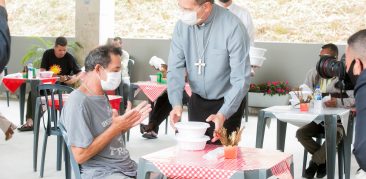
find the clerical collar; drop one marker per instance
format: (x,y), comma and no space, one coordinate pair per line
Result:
(230,6)
(210,18)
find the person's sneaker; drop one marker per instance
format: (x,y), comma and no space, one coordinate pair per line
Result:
(360,174)
(311,170)
(150,135)
(322,171)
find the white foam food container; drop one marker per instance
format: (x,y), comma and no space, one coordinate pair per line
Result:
(198,143)
(192,129)
(257,61)
(257,52)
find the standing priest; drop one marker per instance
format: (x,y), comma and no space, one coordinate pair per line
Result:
(212,45)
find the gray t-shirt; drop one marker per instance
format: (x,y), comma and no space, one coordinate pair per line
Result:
(85,118)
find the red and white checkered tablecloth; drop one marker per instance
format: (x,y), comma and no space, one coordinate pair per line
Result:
(13,83)
(175,163)
(153,90)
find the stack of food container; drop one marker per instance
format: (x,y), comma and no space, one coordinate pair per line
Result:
(191,135)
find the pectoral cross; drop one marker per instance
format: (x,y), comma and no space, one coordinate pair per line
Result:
(200,64)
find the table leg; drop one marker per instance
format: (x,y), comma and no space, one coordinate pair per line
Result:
(145,168)
(21,102)
(261,124)
(330,125)
(281,135)
(347,147)
(256,174)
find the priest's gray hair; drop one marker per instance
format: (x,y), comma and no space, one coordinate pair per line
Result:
(102,56)
(357,42)
(203,1)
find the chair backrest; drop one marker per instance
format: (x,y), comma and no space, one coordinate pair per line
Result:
(74,164)
(52,92)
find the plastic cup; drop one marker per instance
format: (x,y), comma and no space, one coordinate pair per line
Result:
(230,152)
(153,78)
(304,107)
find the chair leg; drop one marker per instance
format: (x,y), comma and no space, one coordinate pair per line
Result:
(7,97)
(128,135)
(340,160)
(59,153)
(43,154)
(304,162)
(166,126)
(36,124)
(67,162)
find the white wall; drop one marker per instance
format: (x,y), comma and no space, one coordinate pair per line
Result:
(285,61)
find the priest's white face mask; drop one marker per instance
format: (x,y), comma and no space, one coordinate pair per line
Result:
(190,17)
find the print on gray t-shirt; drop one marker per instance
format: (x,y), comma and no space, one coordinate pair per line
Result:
(85,118)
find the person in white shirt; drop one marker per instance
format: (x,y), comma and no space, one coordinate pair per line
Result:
(245,18)
(126,73)
(243,15)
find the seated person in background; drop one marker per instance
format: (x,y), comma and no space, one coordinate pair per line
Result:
(63,64)
(126,73)
(162,106)
(306,133)
(94,129)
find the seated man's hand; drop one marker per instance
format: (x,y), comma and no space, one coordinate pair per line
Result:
(331,103)
(71,79)
(64,78)
(143,108)
(132,117)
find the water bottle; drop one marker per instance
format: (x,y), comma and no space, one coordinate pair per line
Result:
(318,104)
(30,70)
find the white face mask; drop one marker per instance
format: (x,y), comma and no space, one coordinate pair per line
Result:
(112,82)
(189,17)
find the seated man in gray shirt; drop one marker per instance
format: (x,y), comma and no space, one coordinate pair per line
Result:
(94,129)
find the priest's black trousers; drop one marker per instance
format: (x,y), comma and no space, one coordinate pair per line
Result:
(199,109)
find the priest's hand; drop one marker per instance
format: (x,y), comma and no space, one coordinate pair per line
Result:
(175,115)
(332,103)
(219,120)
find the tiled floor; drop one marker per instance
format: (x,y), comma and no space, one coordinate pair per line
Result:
(16,154)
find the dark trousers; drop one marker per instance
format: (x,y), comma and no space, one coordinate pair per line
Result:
(305,136)
(199,109)
(161,111)
(29,113)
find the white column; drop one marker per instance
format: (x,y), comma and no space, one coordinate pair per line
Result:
(94,23)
